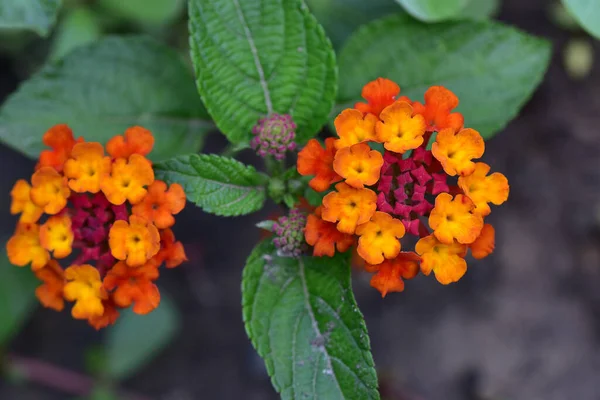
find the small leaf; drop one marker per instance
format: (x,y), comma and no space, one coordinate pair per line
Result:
(17,297)
(34,15)
(303,320)
(79,27)
(266,225)
(219,185)
(144,11)
(587,12)
(492,68)
(135,339)
(433,10)
(256,57)
(102,89)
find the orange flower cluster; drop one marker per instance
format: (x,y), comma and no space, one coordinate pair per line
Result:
(441,196)
(104,214)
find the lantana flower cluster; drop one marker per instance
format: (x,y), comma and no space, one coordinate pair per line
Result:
(104,217)
(436,192)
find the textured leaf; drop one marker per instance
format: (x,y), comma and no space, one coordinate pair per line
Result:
(255,57)
(17,297)
(303,320)
(433,10)
(135,339)
(587,12)
(34,15)
(144,11)
(219,185)
(79,27)
(493,69)
(103,88)
(341,18)
(481,9)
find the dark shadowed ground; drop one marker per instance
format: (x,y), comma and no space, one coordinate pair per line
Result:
(523,324)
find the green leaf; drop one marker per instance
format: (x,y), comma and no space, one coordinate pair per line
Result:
(303,320)
(104,88)
(135,339)
(256,57)
(587,12)
(492,68)
(144,11)
(34,15)
(79,27)
(481,9)
(433,10)
(219,185)
(342,17)
(17,297)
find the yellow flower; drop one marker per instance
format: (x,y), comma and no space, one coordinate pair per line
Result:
(24,247)
(56,235)
(445,260)
(483,189)
(21,203)
(134,242)
(84,287)
(398,129)
(454,219)
(352,127)
(379,238)
(455,151)
(87,167)
(349,206)
(128,180)
(50,190)
(358,164)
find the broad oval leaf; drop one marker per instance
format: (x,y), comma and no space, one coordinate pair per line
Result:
(102,89)
(303,320)
(492,68)
(256,57)
(433,10)
(136,339)
(587,13)
(219,185)
(144,11)
(34,15)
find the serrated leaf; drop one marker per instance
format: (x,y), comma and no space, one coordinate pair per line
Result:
(433,10)
(144,11)
(219,185)
(587,13)
(256,57)
(102,89)
(17,297)
(492,68)
(135,339)
(303,320)
(34,15)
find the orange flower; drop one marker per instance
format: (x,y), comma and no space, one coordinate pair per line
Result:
(128,179)
(324,236)
(439,101)
(56,235)
(390,273)
(24,247)
(379,94)
(445,260)
(87,167)
(160,204)
(379,238)
(455,151)
(398,129)
(84,287)
(358,164)
(50,293)
(483,246)
(350,206)
(108,317)
(454,219)
(484,189)
(60,139)
(314,160)
(134,242)
(136,140)
(353,127)
(171,252)
(134,286)
(50,190)
(21,203)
